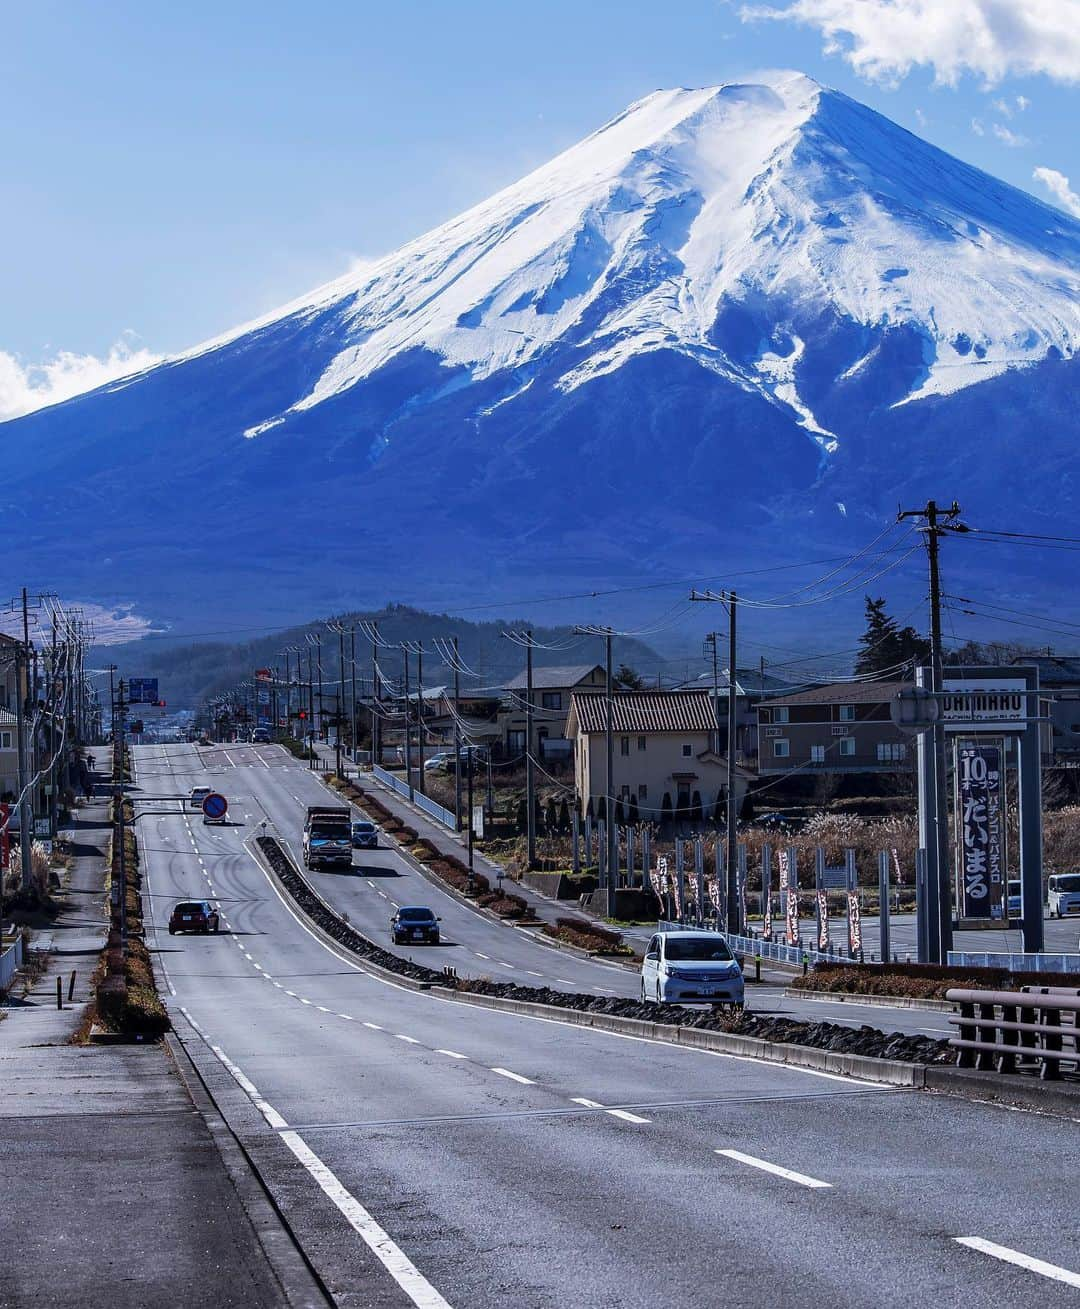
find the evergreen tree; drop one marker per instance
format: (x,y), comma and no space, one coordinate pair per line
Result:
(627,679)
(564,816)
(551,817)
(885,644)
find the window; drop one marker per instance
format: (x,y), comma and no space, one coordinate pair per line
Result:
(890,753)
(624,793)
(624,745)
(847,746)
(551,699)
(780,714)
(5,740)
(515,741)
(641,743)
(642,792)
(817,754)
(781,748)
(847,713)
(687,750)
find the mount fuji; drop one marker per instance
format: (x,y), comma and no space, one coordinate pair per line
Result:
(728,330)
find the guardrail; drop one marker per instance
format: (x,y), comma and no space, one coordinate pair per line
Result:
(778,951)
(1039,1026)
(11,962)
(1015,963)
(429,807)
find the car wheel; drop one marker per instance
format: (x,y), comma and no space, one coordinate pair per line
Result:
(172,931)
(216,925)
(659,996)
(644,996)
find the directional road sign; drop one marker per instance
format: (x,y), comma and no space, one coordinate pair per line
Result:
(142,690)
(215,806)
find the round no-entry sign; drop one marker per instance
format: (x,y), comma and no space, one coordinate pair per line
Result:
(215,806)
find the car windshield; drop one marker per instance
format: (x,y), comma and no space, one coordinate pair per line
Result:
(189,908)
(1069,882)
(701,948)
(415,915)
(363,827)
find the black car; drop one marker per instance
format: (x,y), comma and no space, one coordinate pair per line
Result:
(414,923)
(365,835)
(193,916)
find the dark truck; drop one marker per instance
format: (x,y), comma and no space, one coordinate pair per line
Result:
(327,836)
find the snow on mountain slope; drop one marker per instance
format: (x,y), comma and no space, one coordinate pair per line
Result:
(637,239)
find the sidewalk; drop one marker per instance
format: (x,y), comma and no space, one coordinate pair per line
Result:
(116,1191)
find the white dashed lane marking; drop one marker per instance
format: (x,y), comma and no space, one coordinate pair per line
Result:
(1019,1259)
(786,1173)
(514,1077)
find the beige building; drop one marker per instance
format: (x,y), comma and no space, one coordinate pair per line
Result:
(664,764)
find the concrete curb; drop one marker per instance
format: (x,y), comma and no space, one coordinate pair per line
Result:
(887,1072)
(886,1001)
(1009,1090)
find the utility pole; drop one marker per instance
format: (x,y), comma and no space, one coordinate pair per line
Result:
(408,726)
(611,832)
(472,882)
(457,738)
(733,921)
(420,715)
(530,767)
(355,725)
(22,676)
(933,799)
(711,646)
(376,753)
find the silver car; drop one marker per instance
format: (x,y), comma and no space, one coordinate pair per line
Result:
(691,967)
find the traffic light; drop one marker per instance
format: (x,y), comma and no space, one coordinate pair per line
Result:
(160,704)
(303,713)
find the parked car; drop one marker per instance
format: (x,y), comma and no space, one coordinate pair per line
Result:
(193,916)
(439,763)
(365,835)
(691,967)
(415,923)
(197,796)
(1013,905)
(260,736)
(1063,894)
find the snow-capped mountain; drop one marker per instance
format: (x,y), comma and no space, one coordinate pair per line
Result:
(731,324)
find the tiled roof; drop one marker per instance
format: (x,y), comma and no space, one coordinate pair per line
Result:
(844,693)
(557,677)
(7,718)
(646,711)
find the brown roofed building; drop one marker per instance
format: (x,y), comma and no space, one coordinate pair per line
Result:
(662,749)
(845,727)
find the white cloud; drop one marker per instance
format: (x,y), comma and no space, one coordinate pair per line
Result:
(1014,140)
(1058,186)
(26,387)
(921,118)
(977,127)
(1004,108)
(1022,103)
(884,39)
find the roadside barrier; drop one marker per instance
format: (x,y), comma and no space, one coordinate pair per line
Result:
(403,789)
(10,962)
(1012,1031)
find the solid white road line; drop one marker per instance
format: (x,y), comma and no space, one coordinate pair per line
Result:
(390,1255)
(514,1077)
(1027,1261)
(267,1110)
(775,1169)
(453,1054)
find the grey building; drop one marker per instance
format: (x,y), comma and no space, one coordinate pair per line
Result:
(844,727)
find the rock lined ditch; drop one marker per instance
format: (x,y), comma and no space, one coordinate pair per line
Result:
(868,1041)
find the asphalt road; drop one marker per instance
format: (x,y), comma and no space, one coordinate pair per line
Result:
(265,783)
(429,1153)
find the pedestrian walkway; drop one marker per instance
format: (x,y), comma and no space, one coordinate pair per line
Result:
(118,1192)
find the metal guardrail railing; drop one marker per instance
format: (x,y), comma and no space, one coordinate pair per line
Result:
(10,962)
(1015,963)
(433,810)
(1007,1031)
(778,951)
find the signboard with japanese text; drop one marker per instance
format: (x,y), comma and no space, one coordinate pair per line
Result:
(980,828)
(142,690)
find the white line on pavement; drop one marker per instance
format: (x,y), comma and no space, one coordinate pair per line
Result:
(481,956)
(375,1027)
(566,981)
(453,1054)
(767,1167)
(402,1037)
(514,1077)
(391,1256)
(1027,1261)
(627,1116)
(532,974)
(347,1017)
(267,1110)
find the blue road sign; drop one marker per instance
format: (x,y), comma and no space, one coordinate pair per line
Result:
(143,690)
(215,806)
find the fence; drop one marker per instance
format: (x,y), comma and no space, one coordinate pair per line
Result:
(777,951)
(1032,1028)
(10,962)
(429,807)
(1015,963)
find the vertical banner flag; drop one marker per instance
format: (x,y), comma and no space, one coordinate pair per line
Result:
(714,896)
(789,895)
(823,919)
(766,891)
(854,924)
(658,876)
(980,831)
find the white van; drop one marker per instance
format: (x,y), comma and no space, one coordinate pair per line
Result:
(690,967)
(1063,894)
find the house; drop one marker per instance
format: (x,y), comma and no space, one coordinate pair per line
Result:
(752,686)
(477,716)
(664,761)
(9,743)
(1059,688)
(553,688)
(844,727)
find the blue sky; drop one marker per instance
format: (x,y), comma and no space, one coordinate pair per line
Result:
(170,171)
